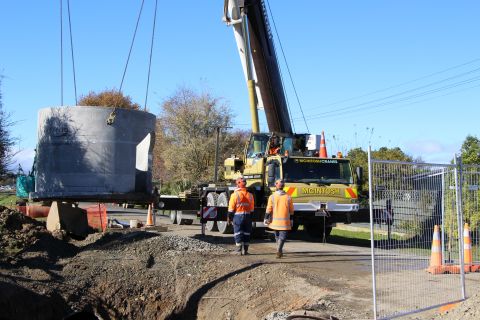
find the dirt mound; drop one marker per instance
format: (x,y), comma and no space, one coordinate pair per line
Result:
(18,231)
(137,274)
(467,310)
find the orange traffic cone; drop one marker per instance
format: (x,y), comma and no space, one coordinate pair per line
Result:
(323,147)
(149,222)
(436,256)
(467,247)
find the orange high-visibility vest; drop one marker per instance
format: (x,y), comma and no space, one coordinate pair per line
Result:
(280,205)
(241,202)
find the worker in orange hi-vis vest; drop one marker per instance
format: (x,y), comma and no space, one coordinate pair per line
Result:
(279,214)
(240,206)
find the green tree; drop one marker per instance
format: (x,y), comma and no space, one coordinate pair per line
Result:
(470,150)
(359,158)
(108,98)
(385,153)
(186,138)
(470,153)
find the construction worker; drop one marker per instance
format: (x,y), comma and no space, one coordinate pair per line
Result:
(240,207)
(274,146)
(279,214)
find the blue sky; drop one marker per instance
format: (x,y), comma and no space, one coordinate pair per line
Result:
(385,73)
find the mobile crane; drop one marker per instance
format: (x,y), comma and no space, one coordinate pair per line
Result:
(324,190)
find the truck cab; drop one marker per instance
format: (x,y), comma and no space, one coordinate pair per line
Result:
(322,189)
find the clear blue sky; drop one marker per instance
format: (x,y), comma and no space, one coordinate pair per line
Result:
(353,63)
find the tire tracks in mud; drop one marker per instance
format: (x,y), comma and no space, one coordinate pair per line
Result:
(190,310)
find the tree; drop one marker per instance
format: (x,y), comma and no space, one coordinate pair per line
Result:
(6,140)
(470,150)
(186,137)
(470,153)
(359,158)
(108,98)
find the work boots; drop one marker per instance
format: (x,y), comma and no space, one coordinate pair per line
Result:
(245,250)
(238,250)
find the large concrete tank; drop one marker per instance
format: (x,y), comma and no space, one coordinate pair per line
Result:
(94,153)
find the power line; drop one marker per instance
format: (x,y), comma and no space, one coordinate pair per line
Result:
(400,84)
(369,112)
(358,107)
(421,94)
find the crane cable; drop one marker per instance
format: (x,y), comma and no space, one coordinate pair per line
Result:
(151,54)
(61,52)
(288,68)
(71,51)
(131,46)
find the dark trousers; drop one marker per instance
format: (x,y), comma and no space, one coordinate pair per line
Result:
(242,227)
(281,235)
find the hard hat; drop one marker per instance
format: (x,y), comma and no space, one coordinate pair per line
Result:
(241,182)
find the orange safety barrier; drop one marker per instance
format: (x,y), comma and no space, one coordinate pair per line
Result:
(97,216)
(475,268)
(451,269)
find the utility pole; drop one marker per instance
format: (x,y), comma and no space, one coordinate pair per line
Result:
(217,150)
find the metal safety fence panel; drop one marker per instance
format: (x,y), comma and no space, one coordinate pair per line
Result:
(415,227)
(470,179)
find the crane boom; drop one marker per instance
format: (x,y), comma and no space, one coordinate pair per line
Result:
(257,53)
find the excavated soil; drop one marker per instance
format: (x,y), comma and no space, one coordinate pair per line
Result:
(468,309)
(135,274)
(141,275)
(17,232)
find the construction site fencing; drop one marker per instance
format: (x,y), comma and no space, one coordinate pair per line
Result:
(418,215)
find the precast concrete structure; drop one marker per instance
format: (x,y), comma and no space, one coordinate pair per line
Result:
(94,153)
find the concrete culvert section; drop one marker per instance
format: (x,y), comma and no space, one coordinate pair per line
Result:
(93,153)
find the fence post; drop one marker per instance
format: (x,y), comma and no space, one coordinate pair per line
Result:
(372,239)
(458,193)
(442,223)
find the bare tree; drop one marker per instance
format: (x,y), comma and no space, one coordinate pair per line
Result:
(185,150)
(6,140)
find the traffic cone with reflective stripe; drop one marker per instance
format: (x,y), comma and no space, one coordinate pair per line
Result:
(323,147)
(436,256)
(467,247)
(149,222)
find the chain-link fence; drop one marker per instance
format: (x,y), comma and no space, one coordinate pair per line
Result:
(417,263)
